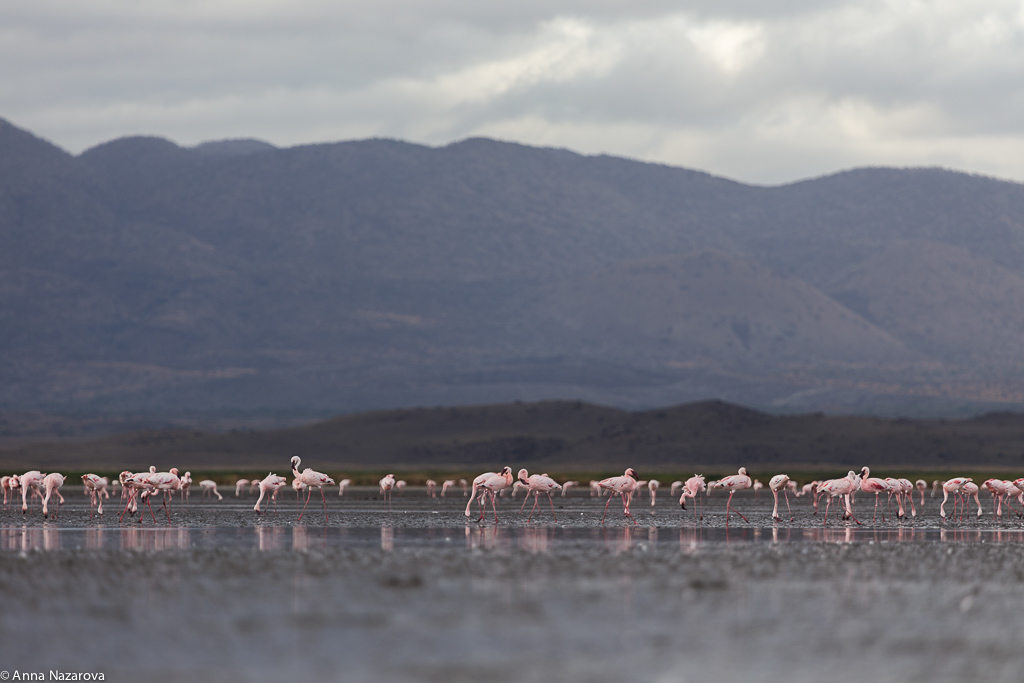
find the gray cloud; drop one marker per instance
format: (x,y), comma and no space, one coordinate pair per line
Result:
(763,92)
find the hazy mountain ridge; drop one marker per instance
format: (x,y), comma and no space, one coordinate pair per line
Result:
(145,276)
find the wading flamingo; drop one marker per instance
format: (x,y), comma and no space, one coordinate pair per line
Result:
(693,486)
(490,484)
(312,479)
(538,484)
(624,487)
(51,483)
(951,486)
(271,483)
(734,483)
(386,484)
(780,482)
(869,484)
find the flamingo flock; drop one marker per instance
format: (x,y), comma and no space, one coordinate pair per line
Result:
(139,488)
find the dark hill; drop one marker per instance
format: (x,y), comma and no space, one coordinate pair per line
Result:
(561,436)
(239,279)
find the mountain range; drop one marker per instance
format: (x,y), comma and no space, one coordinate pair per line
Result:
(240,279)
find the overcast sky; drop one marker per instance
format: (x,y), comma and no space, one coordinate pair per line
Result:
(762,91)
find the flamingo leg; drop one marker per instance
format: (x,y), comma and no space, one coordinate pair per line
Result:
(786,494)
(309,492)
(827,504)
(536,495)
(494,505)
(552,507)
(627,498)
(525,501)
(728,507)
(325,504)
(606,509)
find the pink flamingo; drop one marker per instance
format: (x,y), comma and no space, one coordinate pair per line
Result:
(312,479)
(386,484)
(432,488)
(209,488)
(624,487)
(693,486)
(969,490)
(343,486)
(298,487)
(869,484)
(921,486)
(166,483)
(29,483)
(652,488)
(447,486)
(51,484)
(136,484)
(907,489)
(835,488)
(400,486)
(951,486)
(5,484)
(95,486)
(566,485)
(185,488)
(272,483)
(677,486)
(734,483)
(538,484)
(239,485)
(780,482)
(998,488)
(490,484)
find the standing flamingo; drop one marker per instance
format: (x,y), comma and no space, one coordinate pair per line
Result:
(272,483)
(51,484)
(95,486)
(652,488)
(167,483)
(386,484)
(970,490)
(239,485)
(209,488)
(29,483)
(693,486)
(999,489)
(343,486)
(869,484)
(839,488)
(922,486)
(780,482)
(491,485)
(624,487)
(951,486)
(432,488)
(447,485)
(538,484)
(186,487)
(312,479)
(734,483)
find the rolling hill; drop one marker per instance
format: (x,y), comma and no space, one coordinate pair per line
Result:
(239,280)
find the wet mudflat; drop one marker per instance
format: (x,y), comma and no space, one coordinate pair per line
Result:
(420,595)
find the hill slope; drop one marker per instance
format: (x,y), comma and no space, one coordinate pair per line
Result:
(237,278)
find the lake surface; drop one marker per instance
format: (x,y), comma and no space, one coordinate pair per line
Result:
(419,594)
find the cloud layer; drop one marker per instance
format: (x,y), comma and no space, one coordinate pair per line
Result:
(761,94)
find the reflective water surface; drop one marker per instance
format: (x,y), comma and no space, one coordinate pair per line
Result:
(532,539)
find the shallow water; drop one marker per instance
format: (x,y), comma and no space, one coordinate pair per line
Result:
(419,594)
